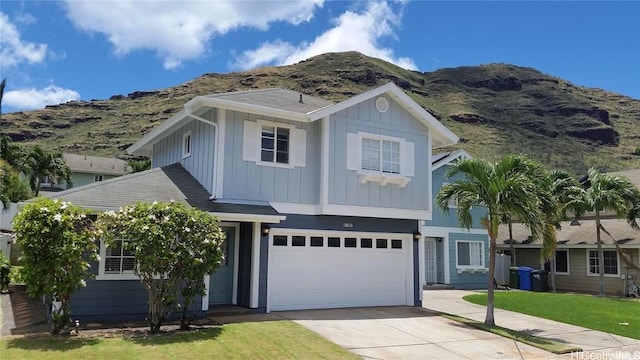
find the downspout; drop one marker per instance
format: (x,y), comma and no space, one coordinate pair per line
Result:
(215,150)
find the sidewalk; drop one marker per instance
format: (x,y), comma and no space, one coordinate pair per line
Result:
(596,344)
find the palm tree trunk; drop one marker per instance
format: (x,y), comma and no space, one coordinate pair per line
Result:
(512,249)
(552,267)
(489,319)
(600,256)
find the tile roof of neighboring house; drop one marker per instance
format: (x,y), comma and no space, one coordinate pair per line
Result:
(276,98)
(577,235)
(95,164)
(163,184)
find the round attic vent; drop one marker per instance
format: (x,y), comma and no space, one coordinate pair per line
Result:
(382,104)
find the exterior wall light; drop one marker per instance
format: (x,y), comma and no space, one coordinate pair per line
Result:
(417,235)
(265,229)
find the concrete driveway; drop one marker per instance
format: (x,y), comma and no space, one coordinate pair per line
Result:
(409,333)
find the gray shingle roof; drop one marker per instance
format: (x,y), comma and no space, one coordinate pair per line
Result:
(583,234)
(95,164)
(163,184)
(276,98)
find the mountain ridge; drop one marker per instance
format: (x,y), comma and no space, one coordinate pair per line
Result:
(496,109)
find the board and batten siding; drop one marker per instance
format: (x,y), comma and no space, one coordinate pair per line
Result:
(199,164)
(439,218)
(466,279)
(246,180)
(344,185)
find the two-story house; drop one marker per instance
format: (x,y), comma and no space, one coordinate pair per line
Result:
(87,169)
(322,203)
(453,256)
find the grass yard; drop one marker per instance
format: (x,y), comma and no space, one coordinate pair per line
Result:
(613,315)
(251,340)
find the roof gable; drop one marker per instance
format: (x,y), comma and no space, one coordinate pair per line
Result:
(439,160)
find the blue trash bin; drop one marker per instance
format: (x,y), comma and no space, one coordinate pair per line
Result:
(524,273)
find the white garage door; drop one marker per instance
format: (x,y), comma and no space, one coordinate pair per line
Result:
(330,270)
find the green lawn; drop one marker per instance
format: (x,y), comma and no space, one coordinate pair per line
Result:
(613,315)
(251,340)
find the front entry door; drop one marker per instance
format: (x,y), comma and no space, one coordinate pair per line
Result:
(430,261)
(221,286)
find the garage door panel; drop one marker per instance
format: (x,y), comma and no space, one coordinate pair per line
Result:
(310,278)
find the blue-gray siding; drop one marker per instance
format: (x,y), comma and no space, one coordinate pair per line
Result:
(450,219)
(245,180)
(344,185)
(467,280)
(200,164)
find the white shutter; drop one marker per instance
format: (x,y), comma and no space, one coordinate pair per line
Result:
(250,144)
(298,148)
(354,152)
(408,159)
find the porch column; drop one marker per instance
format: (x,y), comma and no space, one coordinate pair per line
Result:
(255,266)
(205,298)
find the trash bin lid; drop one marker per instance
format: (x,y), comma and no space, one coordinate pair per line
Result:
(525,268)
(539,271)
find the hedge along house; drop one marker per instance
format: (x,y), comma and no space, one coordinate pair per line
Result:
(576,259)
(453,256)
(321,202)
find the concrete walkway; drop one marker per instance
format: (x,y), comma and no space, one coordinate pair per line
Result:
(596,344)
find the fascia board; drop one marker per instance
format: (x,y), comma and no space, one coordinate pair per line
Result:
(454,155)
(200,101)
(143,146)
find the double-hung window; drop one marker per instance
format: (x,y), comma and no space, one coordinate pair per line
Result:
(380,158)
(610,259)
(186,144)
(470,255)
(381,155)
(98,178)
(275,145)
(117,259)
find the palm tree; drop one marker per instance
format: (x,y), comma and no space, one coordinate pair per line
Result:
(562,187)
(41,163)
(607,192)
(508,186)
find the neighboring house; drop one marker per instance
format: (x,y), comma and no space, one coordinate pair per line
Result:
(86,169)
(321,202)
(453,255)
(576,259)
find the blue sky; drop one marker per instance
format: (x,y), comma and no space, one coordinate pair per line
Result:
(56,51)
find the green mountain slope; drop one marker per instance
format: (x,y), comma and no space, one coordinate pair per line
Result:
(496,109)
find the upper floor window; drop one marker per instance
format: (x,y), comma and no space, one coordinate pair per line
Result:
(274,144)
(610,258)
(453,201)
(97,178)
(380,158)
(186,144)
(269,143)
(381,155)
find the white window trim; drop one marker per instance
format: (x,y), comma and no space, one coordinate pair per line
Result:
(101,274)
(453,201)
(263,123)
(589,273)
(187,137)
(364,176)
(98,178)
(472,269)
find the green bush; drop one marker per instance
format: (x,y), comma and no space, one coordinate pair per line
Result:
(5,270)
(636,151)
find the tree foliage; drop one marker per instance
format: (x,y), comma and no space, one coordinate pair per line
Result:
(57,244)
(174,247)
(607,192)
(508,187)
(40,163)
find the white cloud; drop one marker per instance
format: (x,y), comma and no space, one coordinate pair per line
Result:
(14,50)
(31,99)
(353,31)
(180,30)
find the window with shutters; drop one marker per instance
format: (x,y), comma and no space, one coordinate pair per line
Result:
(272,144)
(380,158)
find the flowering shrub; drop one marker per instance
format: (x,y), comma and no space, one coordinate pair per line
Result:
(174,248)
(56,242)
